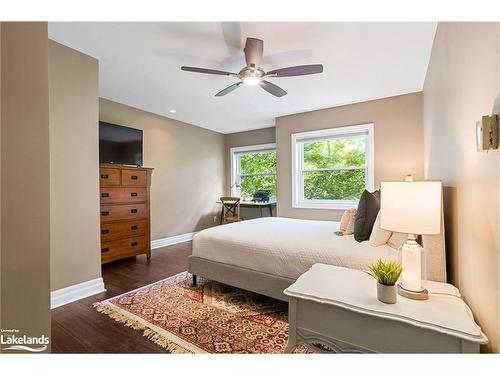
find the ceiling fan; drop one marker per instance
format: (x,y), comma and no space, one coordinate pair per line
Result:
(252,74)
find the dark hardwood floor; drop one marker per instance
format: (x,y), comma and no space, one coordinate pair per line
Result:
(78,328)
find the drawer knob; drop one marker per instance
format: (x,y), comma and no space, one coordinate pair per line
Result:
(133,227)
(104,231)
(104,249)
(104,176)
(134,177)
(133,210)
(104,195)
(105,213)
(133,194)
(133,243)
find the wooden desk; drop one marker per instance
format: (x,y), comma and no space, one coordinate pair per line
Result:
(249,204)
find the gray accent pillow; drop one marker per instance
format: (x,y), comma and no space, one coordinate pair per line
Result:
(368,208)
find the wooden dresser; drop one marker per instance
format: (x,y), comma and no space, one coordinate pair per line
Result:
(125,220)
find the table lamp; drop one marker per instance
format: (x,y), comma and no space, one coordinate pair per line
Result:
(412,207)
(235,189)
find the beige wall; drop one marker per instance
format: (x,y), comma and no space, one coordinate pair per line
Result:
(74,167)
(398,147)
(189,169)
(248,138)
(463,84)
(25,199)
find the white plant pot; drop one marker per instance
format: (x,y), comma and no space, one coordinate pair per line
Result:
(387,293)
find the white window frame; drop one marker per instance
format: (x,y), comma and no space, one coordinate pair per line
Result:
(298,140)
(235,152)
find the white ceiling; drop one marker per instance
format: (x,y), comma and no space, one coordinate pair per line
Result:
(140,65)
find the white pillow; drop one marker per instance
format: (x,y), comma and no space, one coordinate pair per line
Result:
(347,221)
(397,240)
(379,236)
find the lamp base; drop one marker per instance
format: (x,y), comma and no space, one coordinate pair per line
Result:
(421,296)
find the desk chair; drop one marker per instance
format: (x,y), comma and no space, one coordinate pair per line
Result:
(230,209)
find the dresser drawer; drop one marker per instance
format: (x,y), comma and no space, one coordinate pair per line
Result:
(123,195)
(123,212)
(122,248)
(119,230)
(109,177)
(134,178)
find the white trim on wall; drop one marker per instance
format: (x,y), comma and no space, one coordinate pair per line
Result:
(75,292)
(298,139)
(89,288)
(167,241)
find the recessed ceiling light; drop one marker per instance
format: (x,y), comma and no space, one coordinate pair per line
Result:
(172,111)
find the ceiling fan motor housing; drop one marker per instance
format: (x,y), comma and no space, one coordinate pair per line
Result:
(251,76)
(251,72)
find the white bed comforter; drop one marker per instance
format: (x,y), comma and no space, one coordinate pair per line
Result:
(285,247)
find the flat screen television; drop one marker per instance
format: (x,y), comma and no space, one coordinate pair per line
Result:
(119,144)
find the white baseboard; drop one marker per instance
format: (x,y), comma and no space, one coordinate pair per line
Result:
(167,241)
(88,288)
(75,292)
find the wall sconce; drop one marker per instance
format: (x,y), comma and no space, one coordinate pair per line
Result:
(487,133)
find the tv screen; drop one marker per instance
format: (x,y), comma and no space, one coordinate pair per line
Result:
(119,144)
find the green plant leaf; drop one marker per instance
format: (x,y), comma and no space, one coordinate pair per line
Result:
(386,273)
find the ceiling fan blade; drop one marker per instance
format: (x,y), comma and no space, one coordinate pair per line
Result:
(253,52)
(299,70)
(272,88)
(231,31)
(207,71)
(228,89)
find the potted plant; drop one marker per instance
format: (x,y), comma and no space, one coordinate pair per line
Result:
(386,274)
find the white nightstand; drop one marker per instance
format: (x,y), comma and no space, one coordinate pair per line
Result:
(338,308)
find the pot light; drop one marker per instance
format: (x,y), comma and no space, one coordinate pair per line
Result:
(172,111)
(251,81)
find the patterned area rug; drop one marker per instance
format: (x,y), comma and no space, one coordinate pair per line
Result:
(209,318)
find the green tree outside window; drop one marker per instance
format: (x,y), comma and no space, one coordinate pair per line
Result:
(334,169)
(258,172)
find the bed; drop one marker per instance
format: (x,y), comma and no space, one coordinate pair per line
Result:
(268,254)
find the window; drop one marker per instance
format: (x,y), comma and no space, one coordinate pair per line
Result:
(253,168)
(331,168)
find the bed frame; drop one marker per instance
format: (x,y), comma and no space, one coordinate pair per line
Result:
(243,278)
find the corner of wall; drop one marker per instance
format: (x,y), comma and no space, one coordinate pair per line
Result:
(74,167)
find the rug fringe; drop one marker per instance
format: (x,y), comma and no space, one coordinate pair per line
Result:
(151,334)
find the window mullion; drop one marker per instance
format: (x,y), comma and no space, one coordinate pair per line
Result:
(257,174)
(334,169)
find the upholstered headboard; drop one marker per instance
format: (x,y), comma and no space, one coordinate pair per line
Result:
(435,253)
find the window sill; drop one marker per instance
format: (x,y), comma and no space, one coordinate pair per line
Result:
(321,205)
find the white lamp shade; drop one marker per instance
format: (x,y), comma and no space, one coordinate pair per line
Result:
(411,207)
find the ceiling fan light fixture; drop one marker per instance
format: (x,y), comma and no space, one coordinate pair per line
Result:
(253,75)
(252,80)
